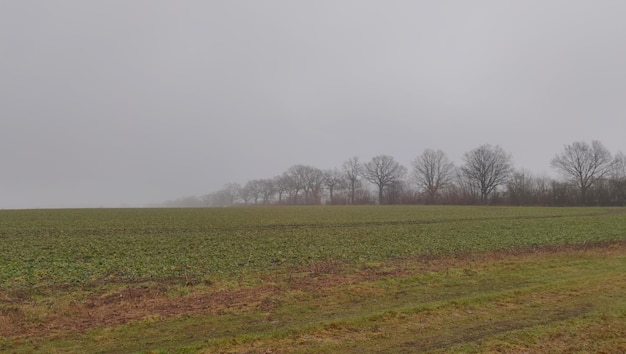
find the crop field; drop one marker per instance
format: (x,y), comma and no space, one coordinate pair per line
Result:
(379,279)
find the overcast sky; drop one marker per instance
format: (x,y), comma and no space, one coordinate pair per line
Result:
(104,103)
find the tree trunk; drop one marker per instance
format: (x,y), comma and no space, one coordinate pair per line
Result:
(352,193)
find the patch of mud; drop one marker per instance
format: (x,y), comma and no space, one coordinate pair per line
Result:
(137,301)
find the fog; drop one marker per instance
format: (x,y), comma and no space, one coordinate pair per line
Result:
(113,103)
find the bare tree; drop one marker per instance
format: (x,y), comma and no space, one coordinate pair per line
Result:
(245,194)
(544,190)
(232,191)
(255,189)
(282,185)
(333,179)
(295,179)
(619,170)
(464,190)
(432,171)
(525,189)
(383,171)
(226,196)
(618,180)
(268,190)
(313,182)
(585,164)
(400,192)
(487,167)
(352,169)
(308,179)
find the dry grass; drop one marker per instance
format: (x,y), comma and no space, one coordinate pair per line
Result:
(423,303)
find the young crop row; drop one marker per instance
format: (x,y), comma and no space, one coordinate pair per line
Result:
(76,247)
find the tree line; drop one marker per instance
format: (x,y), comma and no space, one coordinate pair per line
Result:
(589,175)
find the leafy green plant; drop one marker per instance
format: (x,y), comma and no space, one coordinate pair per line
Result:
(74,247)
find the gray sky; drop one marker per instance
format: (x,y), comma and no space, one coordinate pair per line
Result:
(104,103)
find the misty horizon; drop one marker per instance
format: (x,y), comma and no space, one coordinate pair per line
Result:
(119,103)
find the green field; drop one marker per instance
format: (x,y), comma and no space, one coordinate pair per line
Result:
(313,279)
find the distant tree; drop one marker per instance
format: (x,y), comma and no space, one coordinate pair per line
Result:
(400,192)
(463,190)
(268,190)
(523,188)
(254,189)
(584,164)
(618,181)
(619,170)
(544,190)
(282,185)
(231,192)
(295,180)
(313,182)
(245,194)
(334,180)
(486,167)
(226,196)
(563,193)
(383,171)
(308,179)
(352,169)
(432,171)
